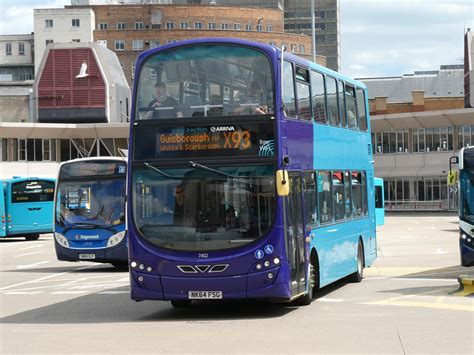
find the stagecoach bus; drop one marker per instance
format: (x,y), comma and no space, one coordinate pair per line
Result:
(251,175)
(89,213)
(26,207)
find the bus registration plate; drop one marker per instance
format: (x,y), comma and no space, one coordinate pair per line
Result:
(86,256)
(204,295)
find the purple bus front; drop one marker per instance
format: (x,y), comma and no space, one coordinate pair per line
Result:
(204,218)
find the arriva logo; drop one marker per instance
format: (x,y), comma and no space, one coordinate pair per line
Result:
(223,129)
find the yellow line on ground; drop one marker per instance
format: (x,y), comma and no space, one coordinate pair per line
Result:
(395,271)
(454,307)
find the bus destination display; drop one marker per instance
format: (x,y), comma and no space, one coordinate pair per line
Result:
(246,139)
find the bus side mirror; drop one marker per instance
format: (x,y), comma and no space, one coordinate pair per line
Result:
(282,183)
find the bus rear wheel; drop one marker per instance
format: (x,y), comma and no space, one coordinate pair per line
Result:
(32,237)
(180,303)
(359,274)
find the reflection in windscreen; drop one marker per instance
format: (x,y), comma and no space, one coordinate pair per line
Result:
(467,195)
(99,202)
(196,209)
(205,80)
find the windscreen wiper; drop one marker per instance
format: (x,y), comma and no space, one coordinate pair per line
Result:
(161,172)
(215,171)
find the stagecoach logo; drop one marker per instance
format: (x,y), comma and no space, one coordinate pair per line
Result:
(87,237)
(222,129)
(267,147)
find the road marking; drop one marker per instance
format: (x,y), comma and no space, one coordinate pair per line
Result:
(446,306)
(33,246)
(46,277)
(32,253)
(31,265)
(439,251)
(22,293)
(69,292)
(395,271)
(112,292)
(325,299)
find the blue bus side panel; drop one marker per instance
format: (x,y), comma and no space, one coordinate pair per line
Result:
(380,212)
(344,149)
(3,215)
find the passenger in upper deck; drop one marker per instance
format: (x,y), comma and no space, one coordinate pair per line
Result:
(163,106)
(254,103)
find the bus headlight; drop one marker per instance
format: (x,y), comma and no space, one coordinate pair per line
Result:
(61,240)
(115,239)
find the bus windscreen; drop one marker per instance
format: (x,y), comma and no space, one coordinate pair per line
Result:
(33,191)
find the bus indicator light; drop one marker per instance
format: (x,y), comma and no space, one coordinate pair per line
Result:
(258,266)
(133,264)
(266,263)
(276,261)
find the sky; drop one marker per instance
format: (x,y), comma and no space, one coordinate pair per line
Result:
(378,37)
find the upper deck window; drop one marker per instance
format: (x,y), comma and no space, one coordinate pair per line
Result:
(205,80)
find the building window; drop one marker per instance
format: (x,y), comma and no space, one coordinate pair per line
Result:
(119,45)
(48,23)
(224,26)
(3,149)
(137,44)
(171,41)
(183,25)
(433,139)
(139,25)
(154,43)
(272,44)
(21,48)
(237,26)
(269,28)
(390,142)
(293,48)
(8,49)
(466,136)
(133,69)
(302,48)
(198,25)
(76,22)
(49,41)
(248,27)
(259,28)
(121,26)
(211,25)
(103,26)
(169,25)
(76,40)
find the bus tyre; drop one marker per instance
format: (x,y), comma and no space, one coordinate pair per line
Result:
(180,303)
(32,237)
(306,299)
(359,274)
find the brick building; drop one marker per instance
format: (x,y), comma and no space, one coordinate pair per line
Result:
(127,29)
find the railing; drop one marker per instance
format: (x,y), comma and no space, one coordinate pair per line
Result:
(411,205)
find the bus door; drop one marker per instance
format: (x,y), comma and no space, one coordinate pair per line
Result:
(379,202)
(295,238)
(3,212)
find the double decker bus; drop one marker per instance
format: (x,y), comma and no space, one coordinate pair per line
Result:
(466,206)
(89,212)
(26,207)
(250,175)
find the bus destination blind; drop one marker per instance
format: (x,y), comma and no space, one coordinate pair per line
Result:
(244,139)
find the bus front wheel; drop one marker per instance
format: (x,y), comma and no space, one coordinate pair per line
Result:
(32,237)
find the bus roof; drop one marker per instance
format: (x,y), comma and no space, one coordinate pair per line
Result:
(262,46)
